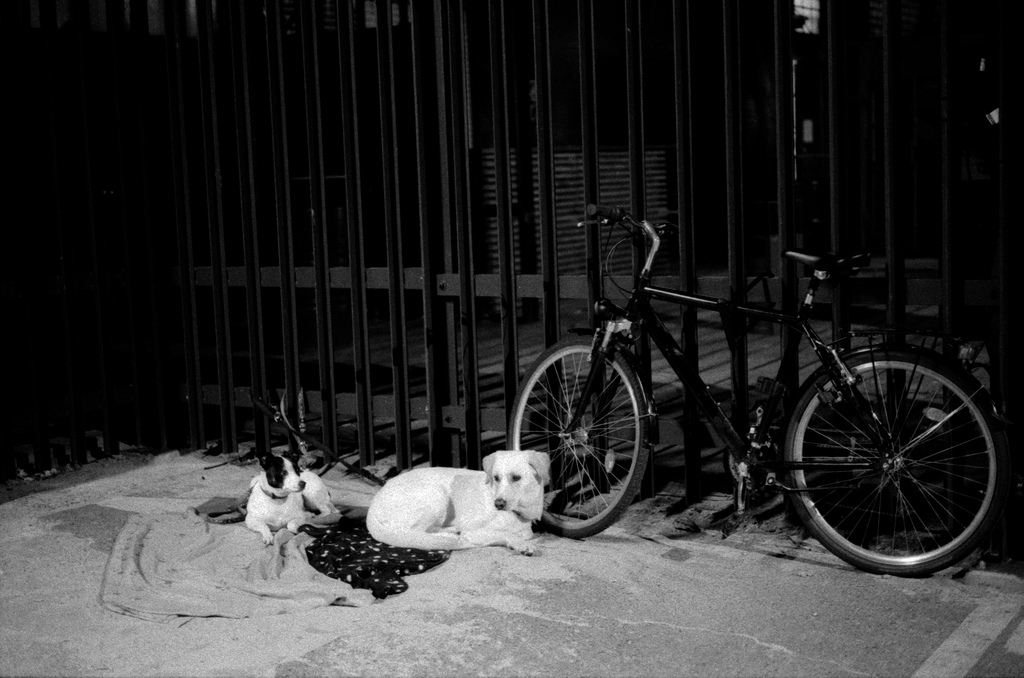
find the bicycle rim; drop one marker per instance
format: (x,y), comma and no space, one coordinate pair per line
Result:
(596,470)
(930,496)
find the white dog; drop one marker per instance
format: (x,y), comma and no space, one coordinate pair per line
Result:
(449,508)
(282,497)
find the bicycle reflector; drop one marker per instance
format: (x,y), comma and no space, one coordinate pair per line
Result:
(969,350)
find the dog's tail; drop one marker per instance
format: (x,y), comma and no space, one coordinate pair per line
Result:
(411,539)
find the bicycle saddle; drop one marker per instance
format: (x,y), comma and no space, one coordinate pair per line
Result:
(830,263)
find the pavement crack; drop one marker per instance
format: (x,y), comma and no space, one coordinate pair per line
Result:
(774,647)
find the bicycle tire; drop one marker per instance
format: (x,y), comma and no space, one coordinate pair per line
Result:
(944,483)
(596,471)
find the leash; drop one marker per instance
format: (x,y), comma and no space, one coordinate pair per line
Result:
(277,416)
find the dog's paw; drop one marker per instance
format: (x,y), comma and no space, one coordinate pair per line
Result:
(268,538)
(327,511)
(525,548)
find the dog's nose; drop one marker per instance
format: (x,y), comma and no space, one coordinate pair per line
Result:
(302,484)
(499,503)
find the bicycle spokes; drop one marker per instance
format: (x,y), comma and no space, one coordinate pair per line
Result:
(922,490)
(591,426)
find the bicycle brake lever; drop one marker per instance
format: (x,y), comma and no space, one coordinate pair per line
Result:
(588,222)
(666,229)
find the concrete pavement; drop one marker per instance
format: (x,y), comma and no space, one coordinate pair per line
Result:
(628,602)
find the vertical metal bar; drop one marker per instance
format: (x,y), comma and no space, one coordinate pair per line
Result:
(432,357)
(115,18)
(635,108)
(503,190)
(734,205)
(634,140)
(72,352)
(17,14)
(175,21)
(446,66)
(1009,370)
(393,232)
(588,134)
(31,296)
(215,217)
(946,178)
(115,34)
(637,173)
(23,284)
(635,136)
(156,335)
(98,274)
(891,19)
(519,87)
(354,212)
(784,176)
(682,40)
(8,460)
(836,180)
(283,204)
(138,10)
(248,216)
(26,294)
(318,221)
(550,310)
(27,264)
(464,233)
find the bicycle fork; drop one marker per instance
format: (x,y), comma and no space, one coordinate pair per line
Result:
(573,435)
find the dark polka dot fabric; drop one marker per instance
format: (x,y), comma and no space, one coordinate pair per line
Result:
(347,552)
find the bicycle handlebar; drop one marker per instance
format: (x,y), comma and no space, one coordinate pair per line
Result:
(609,212)
(612,214)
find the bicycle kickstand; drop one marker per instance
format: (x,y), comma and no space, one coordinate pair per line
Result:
(741,487)
(740,496)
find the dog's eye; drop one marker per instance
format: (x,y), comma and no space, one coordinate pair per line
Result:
(516,478)
(497,478)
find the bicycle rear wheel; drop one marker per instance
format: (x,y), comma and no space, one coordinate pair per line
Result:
(920,502)
(596,469)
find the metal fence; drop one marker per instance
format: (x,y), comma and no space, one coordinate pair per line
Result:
(367,208)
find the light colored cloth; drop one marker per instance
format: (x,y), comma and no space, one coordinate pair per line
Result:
(178,565)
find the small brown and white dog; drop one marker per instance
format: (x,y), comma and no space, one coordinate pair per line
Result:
(449,508)
(283,497)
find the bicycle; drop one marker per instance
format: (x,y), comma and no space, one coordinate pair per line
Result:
(893,456)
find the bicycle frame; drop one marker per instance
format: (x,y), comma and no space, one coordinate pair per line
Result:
(614,321)
(691,378)
(687,375)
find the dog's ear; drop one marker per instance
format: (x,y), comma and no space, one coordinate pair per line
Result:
(265,459)
(541,464)
(488,465)
(294,457)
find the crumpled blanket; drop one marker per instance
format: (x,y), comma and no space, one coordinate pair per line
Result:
(164,567)
(346,551)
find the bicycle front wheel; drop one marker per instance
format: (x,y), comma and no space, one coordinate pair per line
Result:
(926,472)
(596,469)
